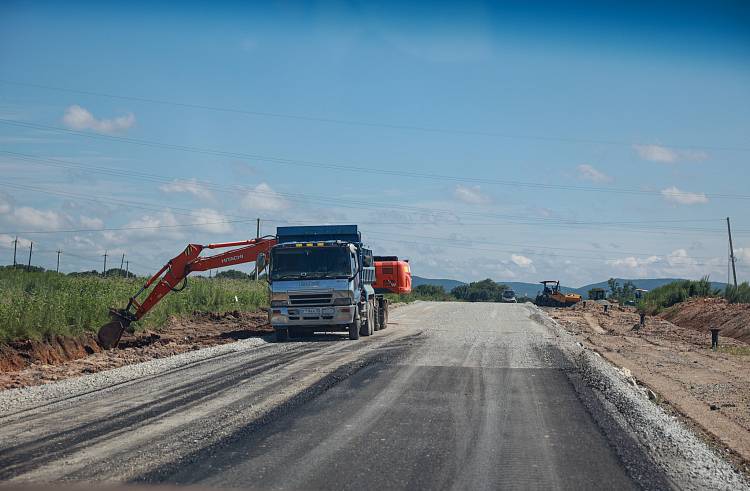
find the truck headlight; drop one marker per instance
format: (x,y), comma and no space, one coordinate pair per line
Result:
(279,299)
(342,301)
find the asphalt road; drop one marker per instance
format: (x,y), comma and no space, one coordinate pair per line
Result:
(451,395)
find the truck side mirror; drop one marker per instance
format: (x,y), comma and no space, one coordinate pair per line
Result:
(260,262)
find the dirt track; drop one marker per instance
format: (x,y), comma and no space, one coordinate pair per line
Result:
(710,388)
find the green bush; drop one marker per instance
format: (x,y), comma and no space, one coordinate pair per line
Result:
(422,292)
(673,293)
(480,291)
(37,305)
(738,294)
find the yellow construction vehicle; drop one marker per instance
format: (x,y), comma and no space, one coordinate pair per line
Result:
(551,296)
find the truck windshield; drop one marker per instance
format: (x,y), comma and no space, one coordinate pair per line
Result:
(311,262)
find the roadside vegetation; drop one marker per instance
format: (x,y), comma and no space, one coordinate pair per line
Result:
(673,293)
(41,304)
(479,291)
(738,294)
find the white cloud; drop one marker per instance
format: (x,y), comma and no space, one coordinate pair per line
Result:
(589,173)
(658,153)
(5,204)
(471,195)
(263,197)
(6,241)
(211,220)
(191,186)
(79,118)
(88,222)
(742,254)
(633,262)
(144,227)
(675,195)
(521,261)
(41,219)
(679,257)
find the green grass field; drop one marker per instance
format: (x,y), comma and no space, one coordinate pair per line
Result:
(36,305)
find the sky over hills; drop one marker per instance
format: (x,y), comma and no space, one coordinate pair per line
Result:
(478,140)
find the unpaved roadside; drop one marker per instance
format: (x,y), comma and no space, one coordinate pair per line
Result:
(711,389)
(27,363)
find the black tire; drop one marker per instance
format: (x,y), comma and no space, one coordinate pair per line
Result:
(282,335)
(371,318)
(354,329)
(384,316)
(364,328)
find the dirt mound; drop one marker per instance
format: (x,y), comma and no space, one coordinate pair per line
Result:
(17,355)
(702,314)
(36,362)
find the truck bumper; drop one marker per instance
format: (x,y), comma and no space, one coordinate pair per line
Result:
(328,316)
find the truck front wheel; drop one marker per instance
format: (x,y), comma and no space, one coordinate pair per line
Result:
(354,329)
(282,335)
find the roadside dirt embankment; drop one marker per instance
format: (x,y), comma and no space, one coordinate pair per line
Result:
(709,389)
(702,314)
(29,362)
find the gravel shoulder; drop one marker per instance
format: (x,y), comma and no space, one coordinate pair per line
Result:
(709,390)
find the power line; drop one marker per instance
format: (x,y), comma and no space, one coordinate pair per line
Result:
(303,197)
(115,229)
(393,126)
(511,219)
(350,168)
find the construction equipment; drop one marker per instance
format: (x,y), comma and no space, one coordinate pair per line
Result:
(391,275)
(320,278)
(597,294)
(175,272)
(323,278)
(551,296)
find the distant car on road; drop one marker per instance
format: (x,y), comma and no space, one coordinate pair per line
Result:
(509,296)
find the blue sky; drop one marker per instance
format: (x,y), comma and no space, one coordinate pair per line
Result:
(417,122)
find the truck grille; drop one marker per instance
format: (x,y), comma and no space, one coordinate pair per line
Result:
(310,298)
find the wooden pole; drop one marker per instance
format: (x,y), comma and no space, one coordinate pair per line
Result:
(28,266)
(731,253)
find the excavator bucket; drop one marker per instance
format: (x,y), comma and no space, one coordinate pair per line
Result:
(111,332)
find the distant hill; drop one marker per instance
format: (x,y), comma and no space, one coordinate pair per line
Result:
(531,289)
(521,288)
(447,285)
(645,283)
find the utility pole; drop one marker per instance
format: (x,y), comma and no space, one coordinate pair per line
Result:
(127,267)
(31,248)
(122,261)
(15,245)
(58,261)
(731,253)
(257,236)
(104,272)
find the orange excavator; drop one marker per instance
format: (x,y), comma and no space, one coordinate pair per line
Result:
(175,272)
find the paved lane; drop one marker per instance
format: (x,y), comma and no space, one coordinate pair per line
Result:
(479,400)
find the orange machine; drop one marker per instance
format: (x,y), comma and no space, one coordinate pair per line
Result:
(391,275)
(176,271)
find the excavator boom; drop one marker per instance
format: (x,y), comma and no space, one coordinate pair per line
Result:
(169,277)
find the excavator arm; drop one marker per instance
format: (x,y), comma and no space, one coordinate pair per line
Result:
(176,271)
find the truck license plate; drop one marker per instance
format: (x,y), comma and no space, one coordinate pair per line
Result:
(311,311)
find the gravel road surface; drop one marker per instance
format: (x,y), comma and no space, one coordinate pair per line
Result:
(451,395)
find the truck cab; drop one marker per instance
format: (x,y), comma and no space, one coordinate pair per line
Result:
(320,279)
